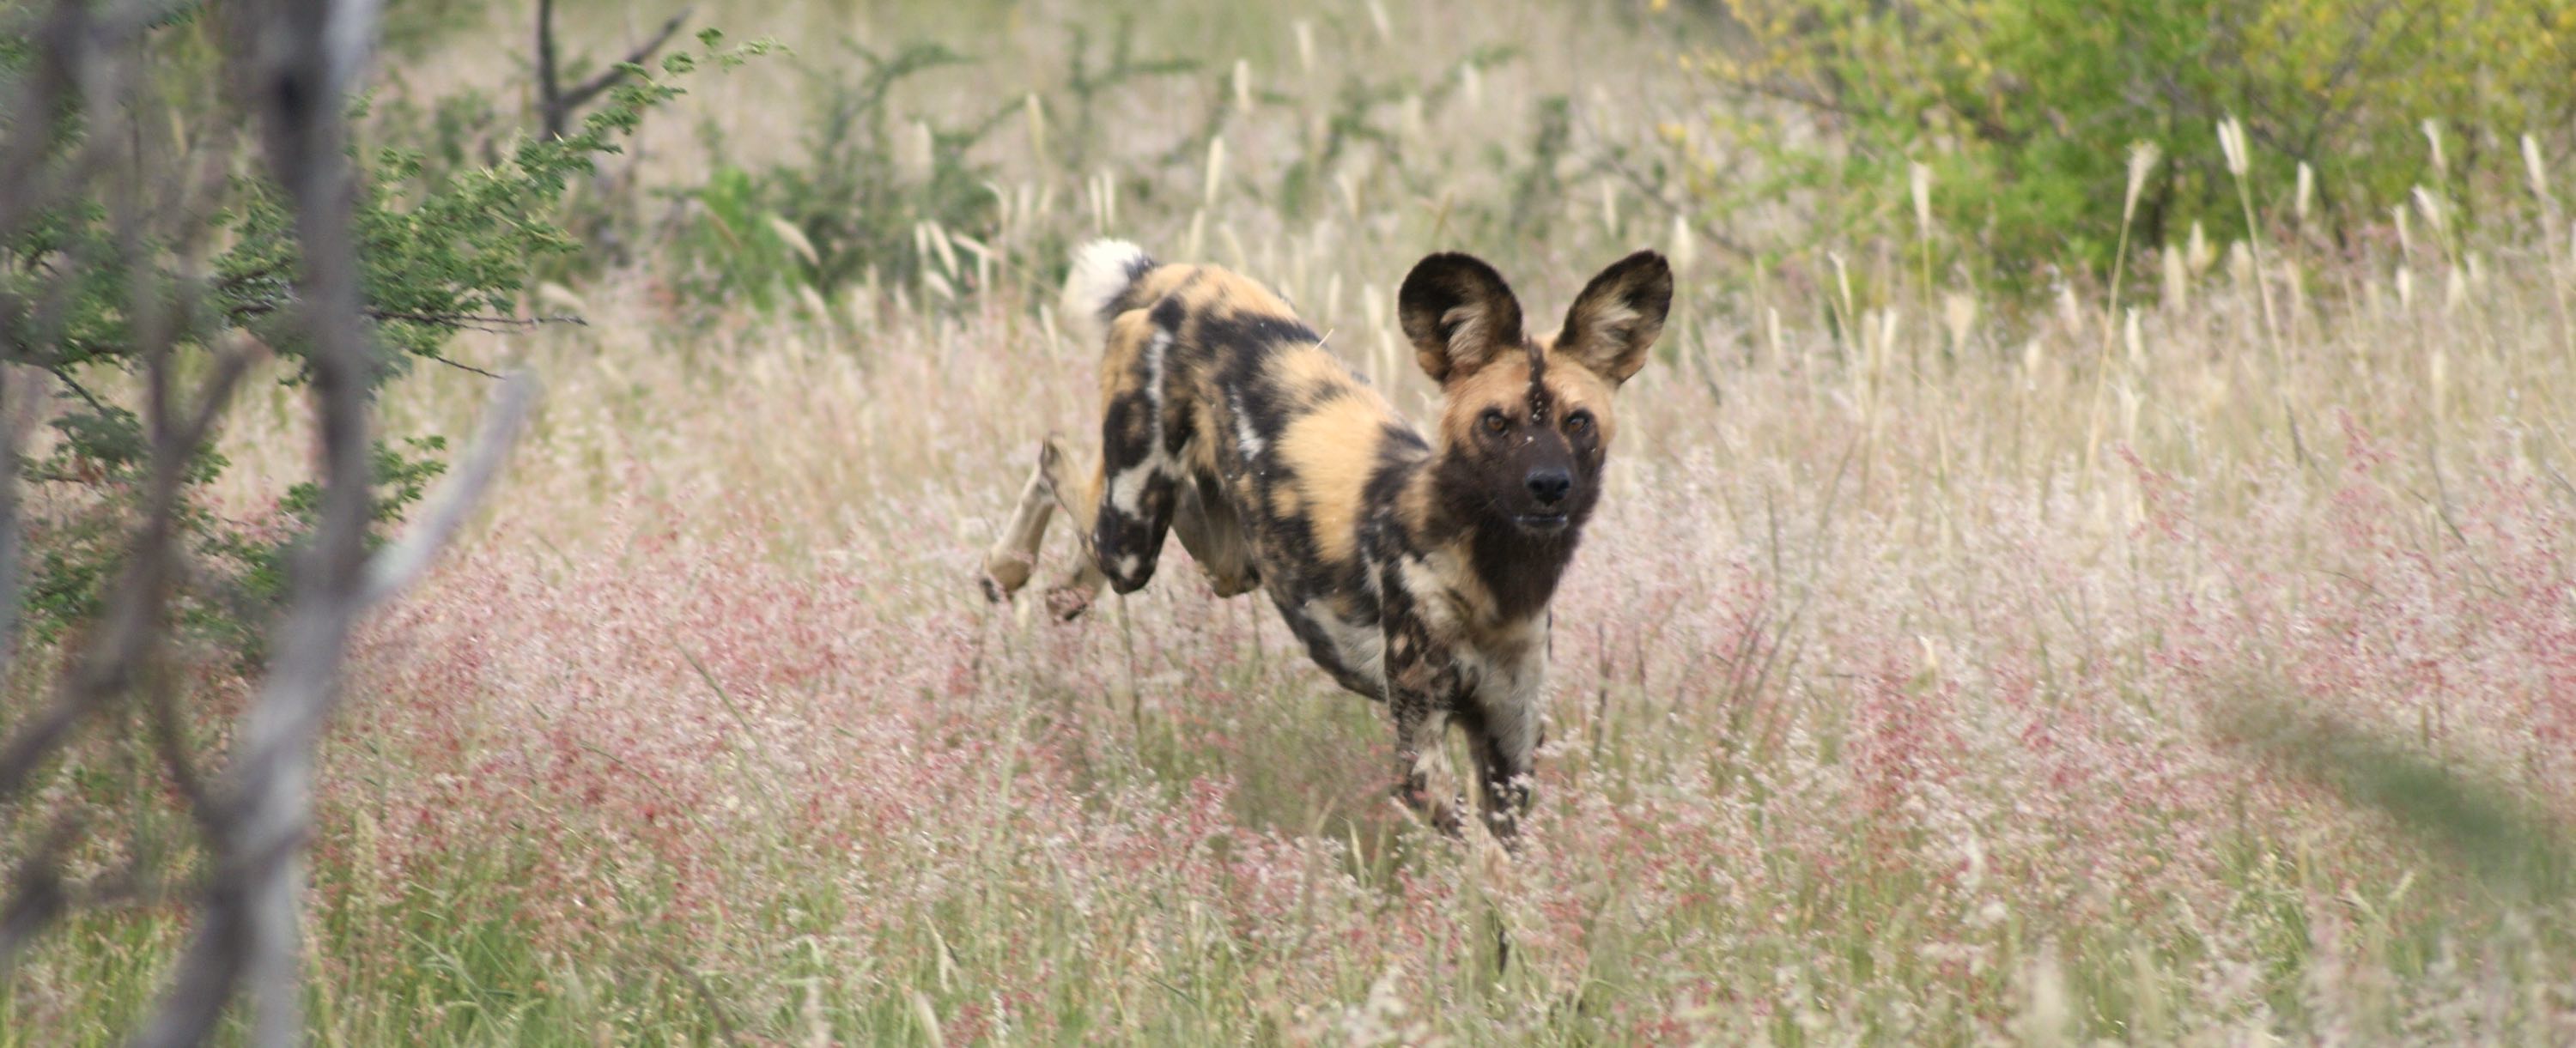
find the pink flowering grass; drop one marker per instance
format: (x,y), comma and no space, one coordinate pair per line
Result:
(722,743)
(705,759)
(1937,685)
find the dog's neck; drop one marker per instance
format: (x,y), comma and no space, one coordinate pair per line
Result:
(1519,570)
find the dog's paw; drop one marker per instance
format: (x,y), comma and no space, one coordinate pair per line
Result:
(1067,603)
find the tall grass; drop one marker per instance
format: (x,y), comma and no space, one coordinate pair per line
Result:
(1884,708)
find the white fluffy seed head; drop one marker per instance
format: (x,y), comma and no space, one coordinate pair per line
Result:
(2231,142)
(2532,166)
(1919,182)
(1215,170)
(1959,315)
(2142,161)
(2431,207)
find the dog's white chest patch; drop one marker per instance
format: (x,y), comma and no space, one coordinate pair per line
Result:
(1359,647)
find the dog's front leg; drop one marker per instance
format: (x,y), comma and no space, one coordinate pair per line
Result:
(1420,731)
(1421,684)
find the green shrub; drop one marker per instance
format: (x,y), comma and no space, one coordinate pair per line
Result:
(446,244)
(2025,111)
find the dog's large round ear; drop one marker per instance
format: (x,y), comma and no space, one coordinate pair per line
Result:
(1459,314)
(1616,318)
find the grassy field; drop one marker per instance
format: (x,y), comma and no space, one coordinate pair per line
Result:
(1941,668)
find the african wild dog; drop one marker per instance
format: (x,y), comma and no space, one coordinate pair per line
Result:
(1417,572)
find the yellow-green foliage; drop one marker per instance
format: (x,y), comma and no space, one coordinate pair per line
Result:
(2025,111)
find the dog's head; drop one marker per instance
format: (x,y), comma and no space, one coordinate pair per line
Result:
(1526,423)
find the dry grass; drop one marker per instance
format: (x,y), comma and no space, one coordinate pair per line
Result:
(2154,677)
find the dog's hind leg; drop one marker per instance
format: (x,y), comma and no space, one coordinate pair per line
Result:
(1129,504)
(1209,529)
(1077,493)
(1014,555)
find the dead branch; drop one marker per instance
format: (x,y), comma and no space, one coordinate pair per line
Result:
(37,893)
(246,935)
(13,430)
(397,565)
(303,54)
(298,59)
(132,620)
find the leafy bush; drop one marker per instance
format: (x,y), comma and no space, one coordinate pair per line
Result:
(2025,112)
(446,245)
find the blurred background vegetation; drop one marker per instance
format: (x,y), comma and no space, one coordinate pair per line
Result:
(2026,113)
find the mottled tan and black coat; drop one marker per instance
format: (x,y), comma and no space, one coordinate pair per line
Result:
(1416,571)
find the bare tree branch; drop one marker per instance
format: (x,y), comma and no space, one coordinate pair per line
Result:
(37,894)
(133,611)
(261,815)
(298,59)
(397,565)
(304,54)
(549,86)
(13,429)
(555,104)
(609,77)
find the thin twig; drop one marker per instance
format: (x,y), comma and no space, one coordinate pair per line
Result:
(474,321)
(451,321)
(462,366)
(65,375)
(609,77)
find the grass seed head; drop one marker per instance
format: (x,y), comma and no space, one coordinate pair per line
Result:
(1215,171)
(2534,168)
(2142,162)
(2231,143)
(1918,178)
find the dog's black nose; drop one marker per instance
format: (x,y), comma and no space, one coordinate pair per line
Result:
(1549,485)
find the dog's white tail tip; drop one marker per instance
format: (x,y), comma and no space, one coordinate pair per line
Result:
(1102,271)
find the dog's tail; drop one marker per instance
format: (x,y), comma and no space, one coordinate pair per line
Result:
(1096,290)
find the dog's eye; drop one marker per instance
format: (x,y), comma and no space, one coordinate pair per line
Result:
(1578,422)
(1495,423)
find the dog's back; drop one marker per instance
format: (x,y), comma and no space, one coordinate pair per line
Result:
(1225,416)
